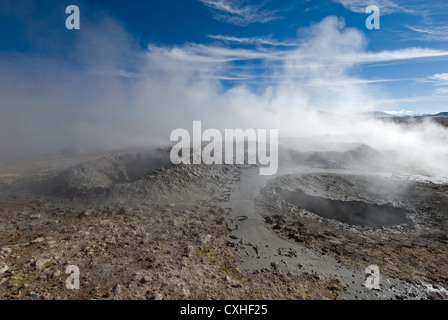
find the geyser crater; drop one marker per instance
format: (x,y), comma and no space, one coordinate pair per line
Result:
(356,213)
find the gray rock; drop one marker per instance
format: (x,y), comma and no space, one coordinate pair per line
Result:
(6,250)
(145,279)
(3,268)
(40,263)
(117,289)
(123,211)
(56,274)
(34,295)
(157,296)
(38,240)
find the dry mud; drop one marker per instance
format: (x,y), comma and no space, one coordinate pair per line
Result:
(140,228)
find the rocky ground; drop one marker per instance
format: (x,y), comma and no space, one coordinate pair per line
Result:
(415,252)
(160,236)
(138,227)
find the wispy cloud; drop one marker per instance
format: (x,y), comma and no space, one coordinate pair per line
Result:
(442,91)
(440,77)
(240,13)
(386,6)
(395,101)
(396,55)
(440,80)
(268,41)
(223,62)
(431,32)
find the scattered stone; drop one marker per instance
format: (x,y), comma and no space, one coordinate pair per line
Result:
(188,251)
(274,265)
(56,274)
(123,211)
(206,239)
(145,279)
(40,263)
(85,214)
(157,297)
(38,240)
(34,295)
(172,223)
(6,250)
(4,268)
(117,289)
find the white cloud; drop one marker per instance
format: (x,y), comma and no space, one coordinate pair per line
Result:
(254,41)
(218,61)
(396,55)
(440,77)
(431,32)
(239,13)
(441,81)
(401,112)
(311,52)
(395,101)
(442,91)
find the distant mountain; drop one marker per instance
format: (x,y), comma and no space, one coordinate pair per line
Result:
(441,118)
(441,114)
(376,114)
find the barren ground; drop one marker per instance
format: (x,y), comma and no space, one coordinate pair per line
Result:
(139,228)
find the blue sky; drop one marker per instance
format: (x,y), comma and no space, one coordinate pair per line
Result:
(409,82)
(403,66)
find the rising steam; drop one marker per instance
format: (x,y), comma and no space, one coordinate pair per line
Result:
(108,92)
